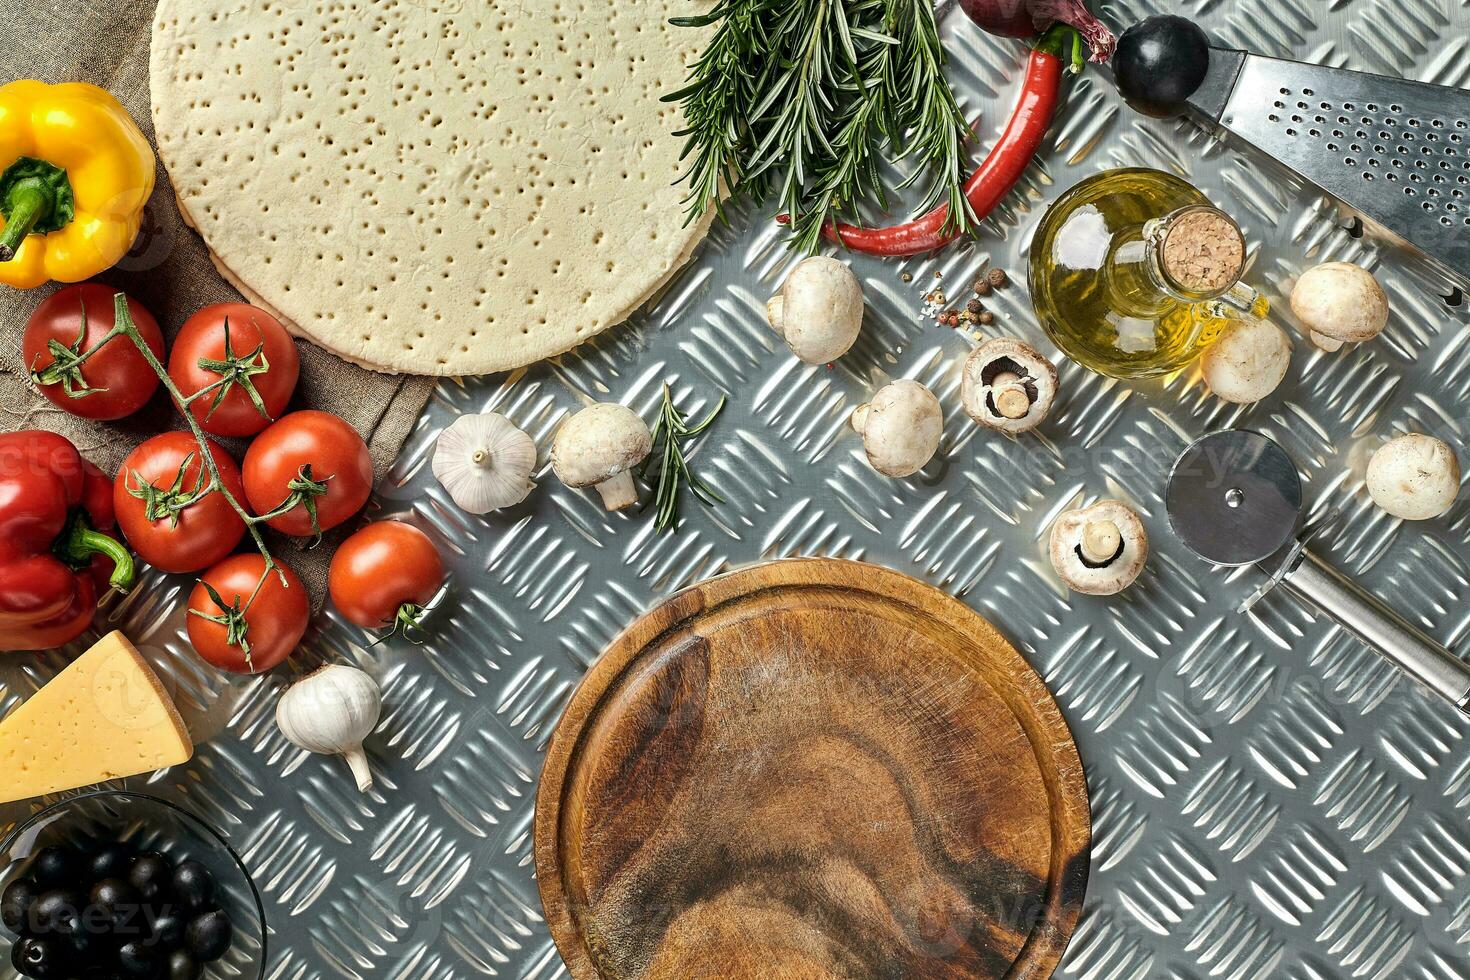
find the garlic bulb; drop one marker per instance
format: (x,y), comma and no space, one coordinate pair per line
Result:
(330,712)
(485,462)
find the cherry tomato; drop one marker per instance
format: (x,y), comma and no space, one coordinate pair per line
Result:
(265,633)
(184,532)
(258,358)
(315,459)
(384,574)
(112,383)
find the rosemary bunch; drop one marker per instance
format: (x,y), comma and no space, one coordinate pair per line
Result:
(802,99)
(669,434)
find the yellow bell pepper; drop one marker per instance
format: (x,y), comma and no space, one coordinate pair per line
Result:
(77,174)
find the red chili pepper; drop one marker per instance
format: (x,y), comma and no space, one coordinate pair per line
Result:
(994,178)
(53,557)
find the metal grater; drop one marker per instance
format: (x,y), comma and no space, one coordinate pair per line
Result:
(1396,152)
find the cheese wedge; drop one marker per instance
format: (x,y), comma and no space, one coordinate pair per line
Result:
(104,717)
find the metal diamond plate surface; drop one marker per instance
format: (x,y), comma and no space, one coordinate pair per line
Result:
(1270,799)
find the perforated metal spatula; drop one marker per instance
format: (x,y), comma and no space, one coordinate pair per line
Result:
(1234,498)
(1396,152)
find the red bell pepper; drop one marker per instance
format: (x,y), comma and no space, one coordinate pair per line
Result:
(54,558)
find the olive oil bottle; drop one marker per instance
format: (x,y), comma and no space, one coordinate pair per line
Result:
(1133,272)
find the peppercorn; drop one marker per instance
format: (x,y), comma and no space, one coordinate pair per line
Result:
(987,317)
(974,306)
(906,276)
(997,277)
(981,287)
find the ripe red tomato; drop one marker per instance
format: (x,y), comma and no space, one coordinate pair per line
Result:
(383,575)
(111,384)
(316,458)
(183,533)
(270,373)
(268,630)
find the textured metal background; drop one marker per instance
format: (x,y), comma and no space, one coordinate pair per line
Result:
(1270,800)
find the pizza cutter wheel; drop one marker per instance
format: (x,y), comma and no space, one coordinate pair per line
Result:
(1234,498)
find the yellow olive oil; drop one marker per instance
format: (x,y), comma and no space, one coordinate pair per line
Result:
(1099,283)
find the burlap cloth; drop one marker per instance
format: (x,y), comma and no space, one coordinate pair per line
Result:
(105,42)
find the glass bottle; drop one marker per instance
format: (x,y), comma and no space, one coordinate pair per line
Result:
(1133,272)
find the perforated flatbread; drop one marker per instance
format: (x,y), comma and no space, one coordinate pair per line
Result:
(430,187)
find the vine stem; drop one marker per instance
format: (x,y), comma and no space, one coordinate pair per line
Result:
(123,321)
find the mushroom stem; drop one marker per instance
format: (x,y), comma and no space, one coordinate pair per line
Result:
(775,308)
(1324,342)
(618,492)
(1100,542)
(1009,392)
(860,417)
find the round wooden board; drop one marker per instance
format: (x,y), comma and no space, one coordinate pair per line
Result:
(812,768)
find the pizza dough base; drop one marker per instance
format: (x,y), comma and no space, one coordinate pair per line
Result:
(358,234)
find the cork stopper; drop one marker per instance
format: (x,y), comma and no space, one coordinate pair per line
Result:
(1203,251)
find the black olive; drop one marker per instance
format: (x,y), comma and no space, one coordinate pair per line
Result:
(152,874)
(194,886)
(167,929)
(208,936)
(111,861)
(138,960)
(182,966)
(89,949)
(16,902)
(38,957)
(56,867)
(1160,62)
(115,903)
(58,911)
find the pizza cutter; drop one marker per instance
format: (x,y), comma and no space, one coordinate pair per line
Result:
(1235,498)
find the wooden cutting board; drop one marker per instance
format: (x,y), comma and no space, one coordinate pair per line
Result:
(806,769)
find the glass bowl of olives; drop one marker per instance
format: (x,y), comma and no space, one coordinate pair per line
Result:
(122,885)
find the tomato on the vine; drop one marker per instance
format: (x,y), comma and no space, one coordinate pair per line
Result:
(164,511)
(310,471)
(110,383)
(383,575)
(245,620)
(247,356)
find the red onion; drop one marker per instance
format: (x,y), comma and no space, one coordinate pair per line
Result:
(1030,18)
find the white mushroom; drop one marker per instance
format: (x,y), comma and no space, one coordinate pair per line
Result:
(900,427)
(819,310)
(1099,550)
(1414,477)
(1247,362)
(1339,303)
(1006,384)
(598,447)
(485,462)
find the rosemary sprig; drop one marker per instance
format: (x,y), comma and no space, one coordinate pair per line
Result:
(803,98)
(669,433)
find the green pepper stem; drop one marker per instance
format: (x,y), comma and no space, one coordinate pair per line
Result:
(82,541)
(1065,43)
(30,202)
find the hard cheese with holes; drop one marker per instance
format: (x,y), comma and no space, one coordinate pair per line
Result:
(103,717)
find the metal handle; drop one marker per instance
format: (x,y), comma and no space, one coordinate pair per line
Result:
(1379,626)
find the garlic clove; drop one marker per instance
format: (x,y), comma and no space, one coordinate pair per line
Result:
(330,712)
(485,462)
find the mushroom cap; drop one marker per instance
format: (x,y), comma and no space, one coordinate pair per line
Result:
(1247,362)
(598,443)
(485,462)
(1116,575)
(819,310)
(901,427)
(1007,355)
(1414,477)
(1342,301)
